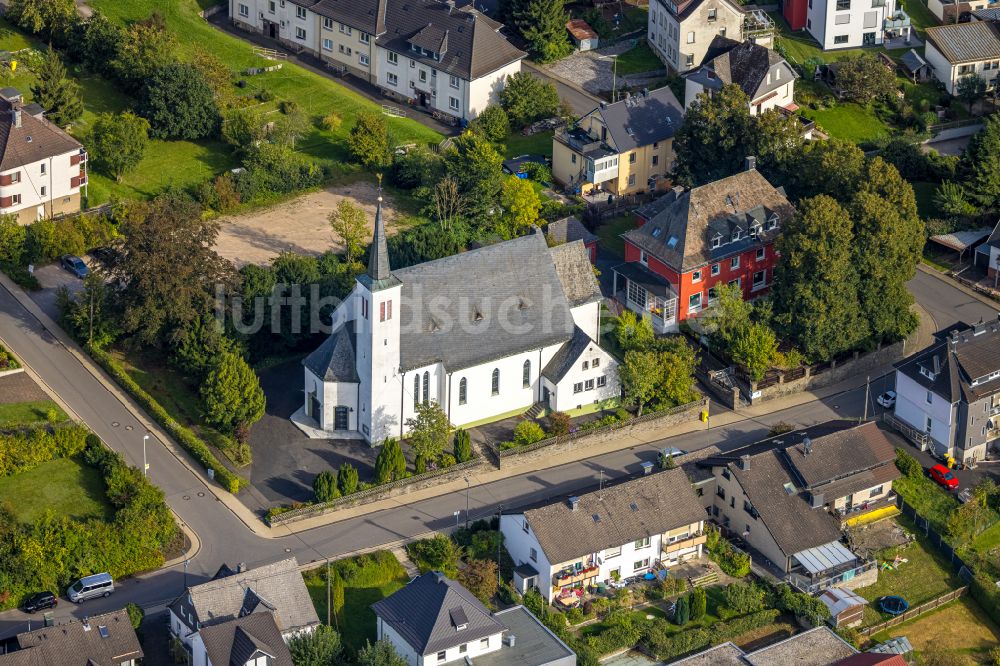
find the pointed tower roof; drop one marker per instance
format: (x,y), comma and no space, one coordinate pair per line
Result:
(379,275)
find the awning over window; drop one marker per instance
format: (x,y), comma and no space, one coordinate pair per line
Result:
(823,558)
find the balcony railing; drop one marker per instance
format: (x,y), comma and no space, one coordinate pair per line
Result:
(817,585)
(897,21)
(601,175)
(683,544)
(573,576)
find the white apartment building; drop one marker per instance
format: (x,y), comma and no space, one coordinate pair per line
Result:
(681,33)
(847,24)
(42,168)
(426,53)
(613,533)
(963,49)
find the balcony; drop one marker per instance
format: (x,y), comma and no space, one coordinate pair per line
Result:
(897,21)
(78,158)
(77,181)
(573,576)
(691,541)
(599,171)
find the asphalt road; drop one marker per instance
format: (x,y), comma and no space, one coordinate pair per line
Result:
(225,539)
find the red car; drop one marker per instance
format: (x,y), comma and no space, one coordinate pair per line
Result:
(944,477)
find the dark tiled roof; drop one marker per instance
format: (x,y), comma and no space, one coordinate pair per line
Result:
(966,42)
(36,139)
(333,361)
(841,453)
(958,360)
(278,586)
(464,305)
(686,9)
(747,65)
(569,229)
(473,46)
(913,61)
(235,642)
(365,15)
(563,360)
(679,234)
(576,273)
(422,614)
(71,645)
(642,119)
(663,500)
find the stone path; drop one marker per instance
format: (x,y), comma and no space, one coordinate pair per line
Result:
(20,387)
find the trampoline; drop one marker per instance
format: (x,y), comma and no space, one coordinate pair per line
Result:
(893,605)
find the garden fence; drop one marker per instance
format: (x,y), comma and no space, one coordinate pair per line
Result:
(915,612)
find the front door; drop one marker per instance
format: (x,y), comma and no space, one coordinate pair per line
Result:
(545,396)
(423,99)
(271,29)
(340,418)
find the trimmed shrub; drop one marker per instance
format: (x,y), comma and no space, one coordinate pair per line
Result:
(559,423)
(325,486)
(699,603)
(463,445)
(528,432)
(23,450)
(682,612)
(347,479)
(908,465)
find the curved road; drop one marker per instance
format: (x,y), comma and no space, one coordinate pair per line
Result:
(224,538)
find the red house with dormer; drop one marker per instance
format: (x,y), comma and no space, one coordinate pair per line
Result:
(688,243)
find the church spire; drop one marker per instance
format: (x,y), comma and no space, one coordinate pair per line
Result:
(378,256)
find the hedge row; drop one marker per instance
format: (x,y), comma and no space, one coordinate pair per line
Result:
(23,450)
(666,645)
(184,436)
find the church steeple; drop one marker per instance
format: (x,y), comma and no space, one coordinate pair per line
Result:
(379,275)
(378,257)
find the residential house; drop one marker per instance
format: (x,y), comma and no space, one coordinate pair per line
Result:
(766,78)
(483,333)
(275,591)
(251,640)
(106,639)
(569,230)
(616,532)
(582,34)
(951,11)
(787,497)
(690,243)
(444,59)
(621,148)
(816,647)
(848,24)
(962,49)
(680,33)
(948,395)
(988,255)
(434,620)
(42,168)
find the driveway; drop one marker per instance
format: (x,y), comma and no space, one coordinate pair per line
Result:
(594,71)
(52,277)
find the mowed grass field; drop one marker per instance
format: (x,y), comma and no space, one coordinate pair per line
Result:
(63,485)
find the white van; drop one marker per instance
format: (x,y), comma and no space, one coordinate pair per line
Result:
(91,587)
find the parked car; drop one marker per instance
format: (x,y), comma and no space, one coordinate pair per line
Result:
(887,399)
(74,265)
(944,477)
(91,587)
(105,255)
(40,601)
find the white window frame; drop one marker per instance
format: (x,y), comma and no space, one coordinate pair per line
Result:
(364,37)
(453,81)
(454,104)
(300,13)
(244,11)
(392,58)
(327,23)
(716,269)
(327,44)
(363,59)
(300,33)
(391,79)
(734,263)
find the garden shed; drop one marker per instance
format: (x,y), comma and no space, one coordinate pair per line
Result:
(846,607)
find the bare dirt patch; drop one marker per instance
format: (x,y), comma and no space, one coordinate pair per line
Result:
(299,225)
(866,540)
(938,628)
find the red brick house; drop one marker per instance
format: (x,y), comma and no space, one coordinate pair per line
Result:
(689,243)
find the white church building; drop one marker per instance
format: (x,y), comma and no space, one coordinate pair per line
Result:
(485,334)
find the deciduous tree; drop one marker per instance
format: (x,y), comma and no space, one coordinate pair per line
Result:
(864,79)
(632,331)
(754,347)
(144,48)
(527,98)
(715,137)
(369,141)
(480,578)
(640,375)
(520,205)
(58,95)
(117,143)
(40,16)
(429,430)
(970,89)
(232,394)
(380,653)
(350,226)
(493,123)
(320,647)
(179,103)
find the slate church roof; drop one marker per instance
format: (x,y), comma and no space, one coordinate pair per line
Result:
(333,361)
(433,613)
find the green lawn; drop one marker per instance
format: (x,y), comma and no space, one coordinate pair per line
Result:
(610,233)
(921,17)
(64,485)
(800,46)
(20,413)
(536,144)
(356,622)
(315,94)
(925,576)
(638,59)
(849,121)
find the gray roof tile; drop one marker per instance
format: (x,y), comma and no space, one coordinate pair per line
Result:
(334,360)
(569,229)
(663,500)
(641,120)
(233,643)
(563,360)
(422,614)
(747,65)
(576,273)
(72,645)
(962,357)
(36,139)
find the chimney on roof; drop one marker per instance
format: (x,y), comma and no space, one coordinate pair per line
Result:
(750,163)
(438,577)
(979,328)
(86,623)
(15,113)
(807,445)
(574,502)
(241,567)
(745,462)
(937,363)
(510,640)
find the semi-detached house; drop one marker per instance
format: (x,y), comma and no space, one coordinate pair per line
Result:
(964,49)
(444,59)
(613,533)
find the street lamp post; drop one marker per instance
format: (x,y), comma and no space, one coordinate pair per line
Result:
(145,465)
